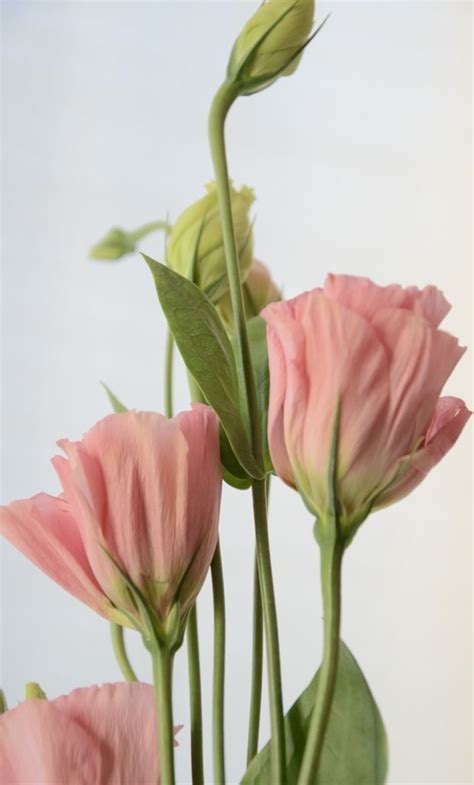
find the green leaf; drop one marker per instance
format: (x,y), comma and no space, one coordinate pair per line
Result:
(232,471)
(257,332)
(117,405)
(355,746)
(207,353)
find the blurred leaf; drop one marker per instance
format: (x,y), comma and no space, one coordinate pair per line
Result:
(117,406)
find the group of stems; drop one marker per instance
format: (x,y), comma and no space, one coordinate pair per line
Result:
(223,100)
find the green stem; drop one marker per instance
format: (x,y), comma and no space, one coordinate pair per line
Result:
(168,384)
(194,670)
(219,668)
(162,681)
(116,632)
(257,670)
(223,100)
(332,551)
(148,228)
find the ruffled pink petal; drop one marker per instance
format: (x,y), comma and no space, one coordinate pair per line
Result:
(367,298)
(103,735)
(39,744)
(447,424)
(421,360)
(43,529)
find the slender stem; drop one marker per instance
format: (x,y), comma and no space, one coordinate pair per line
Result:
(221,104)
(331,564)
(168,384)
(194,670)
(162,681)
(278,775)
(257,670)
(116,632)
(219,668)
(148,228)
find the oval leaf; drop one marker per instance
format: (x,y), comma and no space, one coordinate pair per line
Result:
(355,746)
(207,353)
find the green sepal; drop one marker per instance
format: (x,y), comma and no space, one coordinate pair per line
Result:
(355,746)
(116,404)
(33,691)
(207,353)
(3,703)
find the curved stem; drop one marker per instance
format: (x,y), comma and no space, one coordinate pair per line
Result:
(116,632)
(194,670)
(168,384)
(162,682)
(223,100)
(331,564)
(148,228)
(219,668)
(257,670)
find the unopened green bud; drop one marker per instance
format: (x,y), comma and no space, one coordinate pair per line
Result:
(259,290)
(196,244)
(270,44)
(33,690)
(114,245)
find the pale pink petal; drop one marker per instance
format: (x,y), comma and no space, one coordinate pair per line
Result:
(449,419)
(43,529)
(367,298)
(421,360)
(276,436)
(39,745)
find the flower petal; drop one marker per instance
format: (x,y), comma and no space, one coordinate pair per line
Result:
(448,421)
(43,529)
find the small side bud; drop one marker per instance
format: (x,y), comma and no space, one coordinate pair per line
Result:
(271,43)
(196,244)
(114,245)
(34,691)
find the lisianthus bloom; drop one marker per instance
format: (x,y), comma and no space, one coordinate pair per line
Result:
(259,289)
(103,735)
(140,503)
(375,355)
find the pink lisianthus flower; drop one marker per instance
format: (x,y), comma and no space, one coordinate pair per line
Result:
(94,735)
(376,355)
(140,504)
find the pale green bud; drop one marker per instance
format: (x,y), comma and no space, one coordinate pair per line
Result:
(270,44)
(259,290)
(33,690)
(196,245)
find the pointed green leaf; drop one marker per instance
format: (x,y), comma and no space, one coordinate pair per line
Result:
(207,353)
(355,746)
(117,405)
(257,332)
(3,703)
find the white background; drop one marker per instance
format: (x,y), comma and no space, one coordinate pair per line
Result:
(361,164)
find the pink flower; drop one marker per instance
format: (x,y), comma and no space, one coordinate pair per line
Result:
(103,735)
(141,490)
(377,351)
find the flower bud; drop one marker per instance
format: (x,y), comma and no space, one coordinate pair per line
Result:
(270,44)
(259,290)
(115,244)
(196,244)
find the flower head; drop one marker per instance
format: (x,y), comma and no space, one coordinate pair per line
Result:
(270,44)
(97,734)
(140,505)
(377,354)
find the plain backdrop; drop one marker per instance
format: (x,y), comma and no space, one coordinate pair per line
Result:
(361,163)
